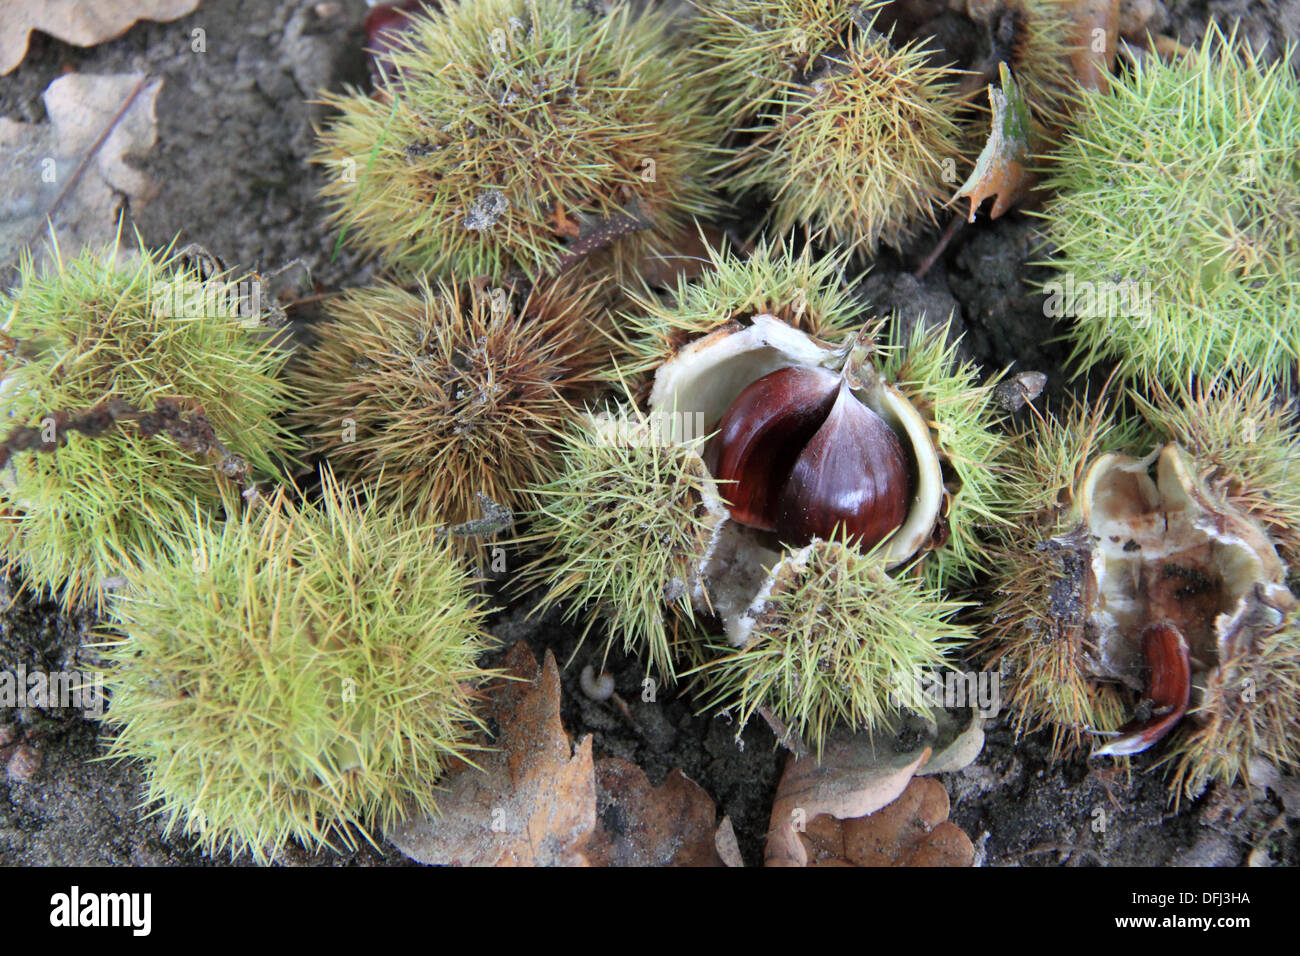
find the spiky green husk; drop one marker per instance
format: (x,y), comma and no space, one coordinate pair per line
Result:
(1037,618)
(837,641)
(435,396)
(534,104)
(1185,176)
(965,420)
(93,329)
(1250,711)
(751,47)
(1038,626)
(623,527)
(300,672)
(858,152)
(1242,430)
(807,292)
(801,290)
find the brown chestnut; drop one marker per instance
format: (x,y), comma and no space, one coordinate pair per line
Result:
(801,455)
(1167,661)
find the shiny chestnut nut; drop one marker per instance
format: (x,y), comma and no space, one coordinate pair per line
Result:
(801,455)
(810,440)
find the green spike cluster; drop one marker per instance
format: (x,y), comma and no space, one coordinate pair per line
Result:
(837,640)
(752,47)
(852,135)
(303,671)
(92,330)
(1036,630)
(965,420)
(1177,218)
(624,526)
(439,393)
(1250,706)
(802,290)
(512,134)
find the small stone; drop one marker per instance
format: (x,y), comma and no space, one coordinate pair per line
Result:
(23,764)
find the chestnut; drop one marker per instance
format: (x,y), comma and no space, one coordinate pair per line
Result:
(1166,659)
(811,440)
(801,455)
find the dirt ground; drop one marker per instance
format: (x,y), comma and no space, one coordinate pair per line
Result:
(234,135)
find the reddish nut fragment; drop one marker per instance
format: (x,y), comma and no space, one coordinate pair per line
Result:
(1168,691)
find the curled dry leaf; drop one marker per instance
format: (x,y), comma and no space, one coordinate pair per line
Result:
(674,824)
(861,773)
(1002,170)
(532,803)
(73,168)
(911,831)
(80,22)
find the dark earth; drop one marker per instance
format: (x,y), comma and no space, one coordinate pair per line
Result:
(235,130)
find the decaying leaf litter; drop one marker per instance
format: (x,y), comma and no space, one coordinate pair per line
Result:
(575,704)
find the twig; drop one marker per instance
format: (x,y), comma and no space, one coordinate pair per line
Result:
(189,429)
(95,147)
(941,245)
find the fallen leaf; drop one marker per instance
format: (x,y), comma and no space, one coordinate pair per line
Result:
(913,830)
(532,803)
(79,22)
(727,844)
(73,169)
(1002,168)
(674,824)
(859,773)
(954,743)
(1096,42)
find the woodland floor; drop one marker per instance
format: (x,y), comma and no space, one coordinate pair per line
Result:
(234,136)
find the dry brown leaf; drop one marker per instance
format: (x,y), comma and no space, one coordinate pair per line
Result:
(727,844)
(1002,170)
(73,168)
(79,22)
(848,782)
(860,773)
(913,830)
(1096,42)
(533,803)
(674,824)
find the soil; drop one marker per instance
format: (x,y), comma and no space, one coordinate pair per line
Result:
(235,132)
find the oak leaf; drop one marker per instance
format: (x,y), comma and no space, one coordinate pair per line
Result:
(532,799)
(912,830)
(860,773)
(71,172)
(79,22)
(674,824)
